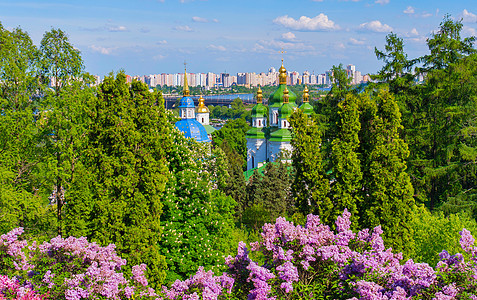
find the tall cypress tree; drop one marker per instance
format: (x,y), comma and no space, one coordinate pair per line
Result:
(387,194)
(310,185)
(347,173)
(127,167)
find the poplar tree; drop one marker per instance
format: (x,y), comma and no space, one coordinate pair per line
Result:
(23,201)
(64,112)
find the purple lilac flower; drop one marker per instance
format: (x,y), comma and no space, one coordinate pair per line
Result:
(467,240)
(259,277)
(138,274)
(288,273)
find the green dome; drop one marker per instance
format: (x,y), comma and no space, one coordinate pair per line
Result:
(276,99)
(259,111)
(307,108)
(285,111)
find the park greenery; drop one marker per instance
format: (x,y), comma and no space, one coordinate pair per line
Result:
(101,197)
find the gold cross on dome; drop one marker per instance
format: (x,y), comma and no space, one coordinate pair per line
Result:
(282,52)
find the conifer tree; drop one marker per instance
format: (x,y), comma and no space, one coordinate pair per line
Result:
(127,169)
(310,185)
(346,171)
(388,194)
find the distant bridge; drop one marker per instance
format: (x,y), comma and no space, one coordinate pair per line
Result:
(214,100)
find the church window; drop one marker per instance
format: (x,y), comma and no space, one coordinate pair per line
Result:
(259,123)
(203,121)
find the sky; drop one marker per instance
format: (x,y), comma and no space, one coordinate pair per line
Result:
(145,37)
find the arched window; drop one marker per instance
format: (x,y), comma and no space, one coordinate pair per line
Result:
(259,123)
(203,121)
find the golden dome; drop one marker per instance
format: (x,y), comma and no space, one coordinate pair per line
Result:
(202,108)
(285,96)
(306,96)
(259,95)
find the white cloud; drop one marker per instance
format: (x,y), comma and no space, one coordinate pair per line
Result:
(218,48)
(163,42)
(413,32)
(158,57)
(116,28)
(199,20)
(409,10)
(274,46)
(183,28)
(468,17)
(469,31)
(419,40)
(375,26)
(102,50)
(382,2)
(288,36)
(354,41)
(320,22)
(426,15)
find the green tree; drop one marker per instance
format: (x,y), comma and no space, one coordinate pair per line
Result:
(269,195)
(63,110)
(446,45)
(387,189)
(396,67)
(234,133)
(59,60)
(327,110)
(22,198)
(126,164)
(433,232)
(346,162)
(310,185)
(198,217)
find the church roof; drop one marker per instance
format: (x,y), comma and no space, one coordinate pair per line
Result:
(307,108)
(202,108)
(186,101)
(276,99)
(193,129)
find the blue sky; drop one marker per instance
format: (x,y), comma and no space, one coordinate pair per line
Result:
(157,36)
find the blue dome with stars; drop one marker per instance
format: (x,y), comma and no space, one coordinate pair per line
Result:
(193,129)
(186,101)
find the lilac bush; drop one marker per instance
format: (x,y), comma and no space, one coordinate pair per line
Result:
(288,262)
(70,268)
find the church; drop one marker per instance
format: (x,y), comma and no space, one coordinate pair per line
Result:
(194,123)
(265,140)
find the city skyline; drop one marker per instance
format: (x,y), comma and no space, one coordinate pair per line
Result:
(157,36)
